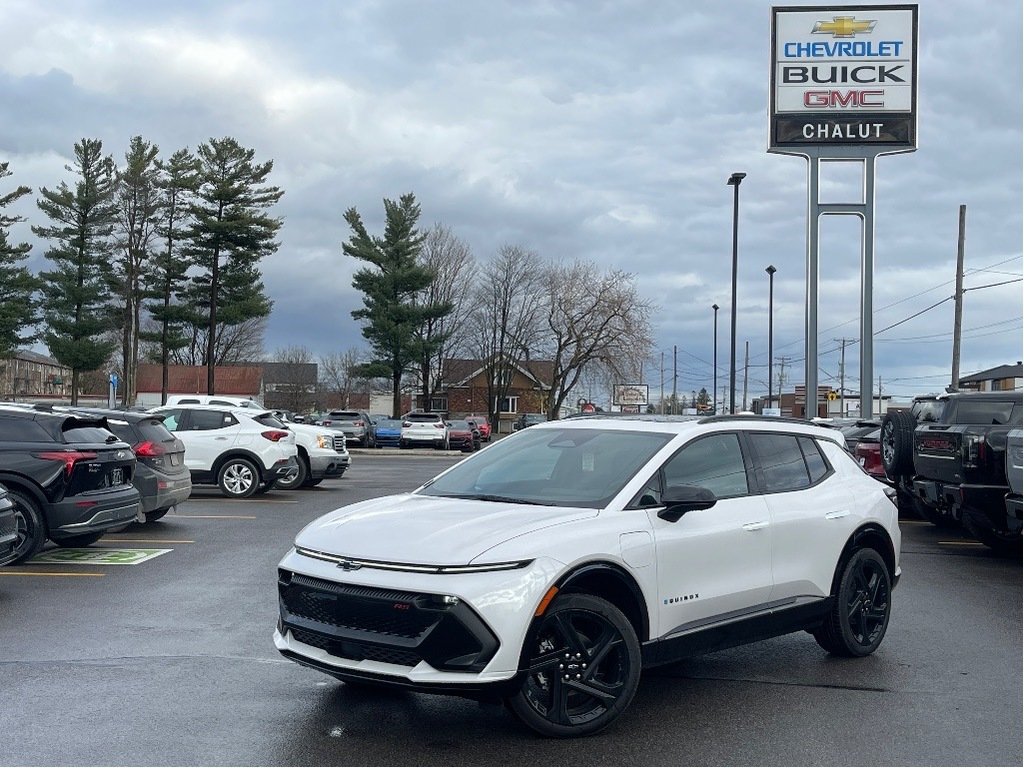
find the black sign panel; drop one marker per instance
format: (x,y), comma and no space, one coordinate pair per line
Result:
(795,130)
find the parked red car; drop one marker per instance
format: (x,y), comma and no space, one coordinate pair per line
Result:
(869,454)
(482,425)
(462,436)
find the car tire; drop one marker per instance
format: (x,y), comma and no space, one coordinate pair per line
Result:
(896,444)
(238,478)
(156,514)
(1003,543)
(560,696)
(295,479)
(30,526)
(269,485)
(81,540)
(860,613)
(310,482)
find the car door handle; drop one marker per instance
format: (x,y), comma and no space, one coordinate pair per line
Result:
(220,438)
(836,515)
(755,526)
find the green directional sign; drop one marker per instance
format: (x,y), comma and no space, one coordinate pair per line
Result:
(98,556)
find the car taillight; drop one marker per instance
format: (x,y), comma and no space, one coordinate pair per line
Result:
(406,423)
(274,435)
(357,423)
(148,450)
(68,457)
(439,426)
(973,450)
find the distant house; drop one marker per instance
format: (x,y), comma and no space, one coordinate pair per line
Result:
(290,386)
(31,374)
(464,390)
(1000,378)
(236,380)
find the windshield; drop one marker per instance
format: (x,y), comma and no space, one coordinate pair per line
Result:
(558,467)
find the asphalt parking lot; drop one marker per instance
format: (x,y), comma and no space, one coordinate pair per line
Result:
(170,662)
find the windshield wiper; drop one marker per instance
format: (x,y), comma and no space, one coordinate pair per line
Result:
(494,497)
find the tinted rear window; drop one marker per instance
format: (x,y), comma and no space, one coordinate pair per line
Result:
(154,430)
(344,414)
(269,420)
(982,412)
(423,417)
(122,429)
(22,430)
(78,434)
(463,425)
(782,462)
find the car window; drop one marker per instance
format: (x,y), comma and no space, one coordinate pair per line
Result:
(269,420)
(23,430)
(204,420)
(817,467)
(714,462)
(122,429)
(782,462)
(423,417)
(984,412)
(559,467)
(153,430)
(172,419)
(188,401)
(87,434)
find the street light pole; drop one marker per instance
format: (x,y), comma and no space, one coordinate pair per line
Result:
(734,182)
(714,391)
(771,296)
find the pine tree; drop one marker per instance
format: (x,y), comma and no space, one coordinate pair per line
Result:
(77,312)
(18,287)
(166,280)
(390,286)
(230,233)
(138,207)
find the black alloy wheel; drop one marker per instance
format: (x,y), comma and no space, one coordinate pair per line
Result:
(30,527)
(583,668)
(857,622)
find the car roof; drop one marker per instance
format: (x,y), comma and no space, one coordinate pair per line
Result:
(132,417)
(693,424)
(252,413)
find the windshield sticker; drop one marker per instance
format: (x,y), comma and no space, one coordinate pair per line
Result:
(588,462)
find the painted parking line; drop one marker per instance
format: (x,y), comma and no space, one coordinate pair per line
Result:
(963,543)
(216,517)
(8,572)
(105,540)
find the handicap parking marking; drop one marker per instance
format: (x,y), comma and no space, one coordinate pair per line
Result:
(98,556)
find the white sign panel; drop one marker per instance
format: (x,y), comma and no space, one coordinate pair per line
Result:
(844,75)
(630,394)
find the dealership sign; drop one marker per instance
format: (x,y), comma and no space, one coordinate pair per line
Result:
(844,76)
(629,394)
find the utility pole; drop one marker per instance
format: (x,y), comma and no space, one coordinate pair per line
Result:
(662,382)
(879,398)
(842,375)
(675,379)
(782,376)
(958,300)
(746,371)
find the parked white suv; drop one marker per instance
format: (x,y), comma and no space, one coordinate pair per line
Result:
(241,450)
(424,429)
(321,454)
(551,568)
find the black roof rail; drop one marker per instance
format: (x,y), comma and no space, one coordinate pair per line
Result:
(756,417)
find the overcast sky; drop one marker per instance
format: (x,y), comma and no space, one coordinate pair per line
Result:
(602,131)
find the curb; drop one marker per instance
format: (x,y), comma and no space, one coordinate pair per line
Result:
(411,452)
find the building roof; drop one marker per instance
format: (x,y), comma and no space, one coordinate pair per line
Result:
(35,357)
(459,371)
(993,374)
(242,380)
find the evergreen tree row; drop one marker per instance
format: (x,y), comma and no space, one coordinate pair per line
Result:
(162,252)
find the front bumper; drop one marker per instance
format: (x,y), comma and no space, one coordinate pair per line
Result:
(395,627)
(93,512)
(328,464)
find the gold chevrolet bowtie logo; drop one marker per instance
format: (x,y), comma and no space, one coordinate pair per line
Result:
(842,26)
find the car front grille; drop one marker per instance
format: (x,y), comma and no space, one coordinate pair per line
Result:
(339,443)
(393,626)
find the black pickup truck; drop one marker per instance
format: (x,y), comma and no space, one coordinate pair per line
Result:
(952,465)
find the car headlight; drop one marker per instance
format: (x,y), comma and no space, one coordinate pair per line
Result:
(325,441)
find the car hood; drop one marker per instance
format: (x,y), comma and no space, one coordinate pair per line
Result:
(428,530)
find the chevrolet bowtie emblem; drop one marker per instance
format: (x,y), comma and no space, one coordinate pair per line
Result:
(349,565)
(842,26)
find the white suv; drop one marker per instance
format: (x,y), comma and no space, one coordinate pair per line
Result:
(321,454)
(551,568)
(424,429)
(242,450)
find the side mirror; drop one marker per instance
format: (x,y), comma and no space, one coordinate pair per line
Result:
(680,499)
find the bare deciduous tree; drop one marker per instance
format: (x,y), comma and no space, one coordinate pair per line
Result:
(593,321)
(233,344)
(341,373)
(295,379)
(451,261)
(505,319)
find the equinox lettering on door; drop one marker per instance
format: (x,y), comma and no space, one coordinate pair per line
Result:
(844,75)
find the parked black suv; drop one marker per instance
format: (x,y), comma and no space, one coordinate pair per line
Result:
(161,476)
(69,477)
(956,470)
